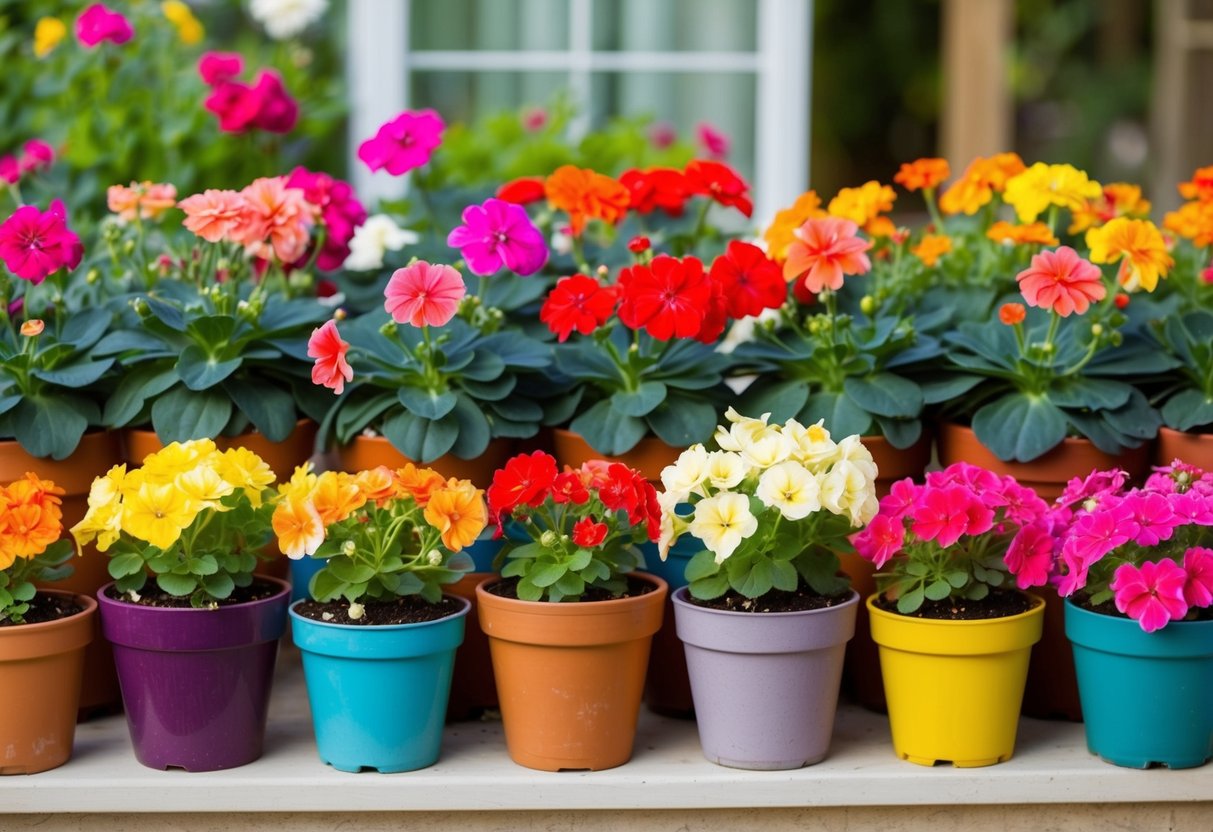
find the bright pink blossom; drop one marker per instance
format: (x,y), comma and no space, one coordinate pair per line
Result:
(1093,486)
(35,244)
(404,143)
(339,209)
(1022,505)
(10,170)
(424,295)
(36,155)
(1153,521)
(217,67)
(662,134)
(714,142)
(99,23)
(499,234)
(1091,537)
(1192,508)
(900,499)
(881,540)
(1030,556)
(264,106)
(1152,594)
(942,514)
(824,250)
(331,369)
(1062,281)
(1198,589)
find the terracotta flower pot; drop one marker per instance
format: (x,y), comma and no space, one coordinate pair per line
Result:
(861,673)
(1052,691)
(1193,448)
(370,451)
(97,452)
(648,457)
(41,666)
(570,675)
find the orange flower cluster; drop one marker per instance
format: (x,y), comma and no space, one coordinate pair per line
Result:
(146,200)
(865,206)
(931,248)
(31,519)
(1120,199)
(585,195)
(922,174)
(980,181)
(781,233)
(1194,219)
(1031,233)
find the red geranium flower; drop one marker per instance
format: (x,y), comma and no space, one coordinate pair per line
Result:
(720,182)
(664,188)
(525,480)
(588,534)
(522,191)
(751,281)
(569,488)
(577,303)
(669,298)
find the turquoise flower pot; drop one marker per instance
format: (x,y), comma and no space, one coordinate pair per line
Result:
(302,571)
(1145,696)
(379,693)
(667,688)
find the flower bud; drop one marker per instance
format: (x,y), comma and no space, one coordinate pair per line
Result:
(434,558)
(1116,338)
(92,276)
(549,539)
(141,307)
(348,548)
(32,328)
(356,611)
(867,304)
(1096,330)
(339,314)
(128,247)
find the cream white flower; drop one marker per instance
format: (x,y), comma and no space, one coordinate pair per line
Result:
(791,488)
(768,449)
(378,235)
(854,451)
(847,489)
(742,431)
(726,469)
(687,473)
(813,443)
(722,522)
(672,525)
(283,19)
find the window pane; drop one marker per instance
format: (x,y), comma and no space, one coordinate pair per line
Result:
(465,96)
(675,25)
(489,24)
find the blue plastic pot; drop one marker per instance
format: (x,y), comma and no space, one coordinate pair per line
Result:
(302,571)
(1145,696)
(667,687)
(379,693)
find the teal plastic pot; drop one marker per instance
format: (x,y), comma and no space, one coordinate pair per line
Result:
(667,688)
(379,693)
(1145,696)
(302,571)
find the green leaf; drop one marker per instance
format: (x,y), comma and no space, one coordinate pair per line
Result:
(639,402)
(944,387)
(1093,393)
(270,408)
(219,585)
(681,421)
(178,585)
(843,416)
(701,566)
(182,414)
(1020,427)
(782,400)
(546,574)
(910,601)
(607,430)
(201,371)
(50,425)
(135,387)
(885,394)
(325,586)
(1188,409)
(491,391)
(957,578)
(428,404)
(474,431)
(85,328)
(486,366)
(24,591)
(571,586)
(938,590)
(346,570)
(75,375)
(215,331)
(527,591)
(712,587)
(423,440)
(757,581)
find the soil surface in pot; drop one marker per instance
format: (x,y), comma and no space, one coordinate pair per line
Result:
(1000,603)
(411,609)
(506,588)
(1109,608)
(153,596)
(777,600)
(44,608)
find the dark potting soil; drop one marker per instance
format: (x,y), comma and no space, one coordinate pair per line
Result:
(1000,603)
(507,588)
(44,608)
(410,609)
(777,600)
(1109,608)
(153,596)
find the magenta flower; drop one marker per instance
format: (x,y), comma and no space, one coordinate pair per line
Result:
(264,106)
(1153,521)
(714,142)
(900,499)
(1030,556)
(340,213)
(36,155)
(1023,505)
(1198,589)
(1192,508)
(498,234)
(424,295)
(10,170)
(35,244)
(99,23)
(662,135)
(404,143)
(1152,594)
(942,514)
(1095,485)
(1094,535)
(881,540)
(217,67)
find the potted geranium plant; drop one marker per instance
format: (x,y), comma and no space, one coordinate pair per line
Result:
(43,633)
(1136,570)
(377,619)
(954,635)
(569,608)
(184,533)
(765,616)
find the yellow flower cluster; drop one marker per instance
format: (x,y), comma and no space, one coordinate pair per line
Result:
(48,32)
(791,468)
(156,502)
(1042,186)
(189,29)
(311,503)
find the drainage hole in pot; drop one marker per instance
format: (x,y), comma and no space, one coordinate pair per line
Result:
(574,769)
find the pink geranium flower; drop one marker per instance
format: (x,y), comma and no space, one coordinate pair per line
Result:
(340,213)
(10,170)
(1198,588)
(35,244)
(1092,537)
(276,220)
(264,106)
(99,23)
(1093,486)
(1030,556)
(1062,281)
(1192,508)
(714,142)
(36,155)
(331,369)
(824,250)
(404,143)
(213,213)
(498,234)
(1152,594)
(881,540)
(217,67)
(1153,521)
(424,295)
(900,499)
(942,514)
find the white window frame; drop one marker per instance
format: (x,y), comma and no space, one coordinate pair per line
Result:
(379,63)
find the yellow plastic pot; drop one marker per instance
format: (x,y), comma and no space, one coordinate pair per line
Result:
(954,688)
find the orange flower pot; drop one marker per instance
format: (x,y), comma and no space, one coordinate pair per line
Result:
(648,457)
(570,675)
(1193,448)
(370,451)
(97,452)
(41,667)
(1052,691)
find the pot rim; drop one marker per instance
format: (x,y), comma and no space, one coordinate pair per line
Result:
(679,597)
(483,596)
(382,628)
(1037,607)
(284,588)
(1124,620)
(1188,435)
(89,603)
(145,430)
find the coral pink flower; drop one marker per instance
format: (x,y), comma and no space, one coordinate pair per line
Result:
(404,143)
(499,234)
(942,514)
(36,155)
(99,23)
(213,213)
(147,200)
(1062,281)
(217,67)
(331,369)
(881,540)
(424,295)
(276,220)
(35,244)
(1152,594)
(1198,589)
(578,303)
(824,250)
(1030,556)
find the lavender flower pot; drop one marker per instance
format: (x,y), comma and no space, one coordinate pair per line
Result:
(765,685)
(196,682)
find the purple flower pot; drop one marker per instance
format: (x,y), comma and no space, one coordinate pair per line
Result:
(196,682)
(765,685)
